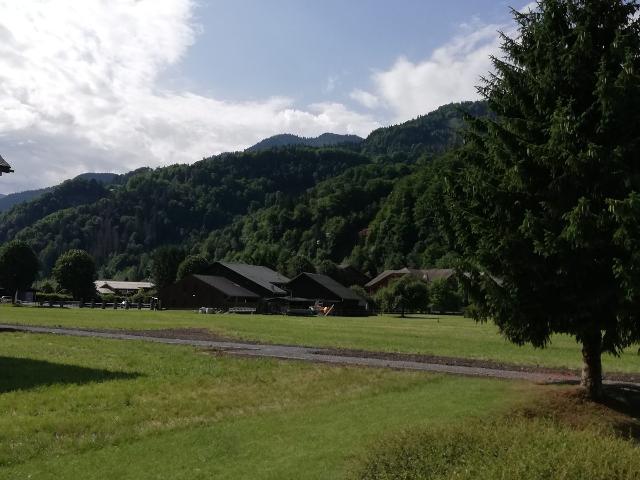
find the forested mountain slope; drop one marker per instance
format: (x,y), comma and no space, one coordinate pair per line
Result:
(323,223)
(376,208)
(433,133)
(175,205)
(13,199)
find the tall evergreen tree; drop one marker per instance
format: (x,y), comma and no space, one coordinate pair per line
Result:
(165,263)
(547,204)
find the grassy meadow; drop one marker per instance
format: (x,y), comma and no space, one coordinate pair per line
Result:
(90,408)
(435,335)
(93,408)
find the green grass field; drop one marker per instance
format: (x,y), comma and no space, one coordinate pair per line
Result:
(444,335)
(94,409)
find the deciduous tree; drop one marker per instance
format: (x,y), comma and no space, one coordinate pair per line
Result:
(193,264)
(19,266)
(75,271)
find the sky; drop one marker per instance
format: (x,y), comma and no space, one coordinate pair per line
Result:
(113,85)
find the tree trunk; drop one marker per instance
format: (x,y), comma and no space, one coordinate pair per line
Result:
(591,379)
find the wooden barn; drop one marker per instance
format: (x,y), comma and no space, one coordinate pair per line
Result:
(211,291)
(327,291)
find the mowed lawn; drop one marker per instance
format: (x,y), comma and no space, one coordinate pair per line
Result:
(74,408)
(427,334)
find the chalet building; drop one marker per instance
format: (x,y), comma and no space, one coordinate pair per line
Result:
(349,275)
(197,291)
(261,280)
(324,289)
(427,275)
(4,166)
(117,287)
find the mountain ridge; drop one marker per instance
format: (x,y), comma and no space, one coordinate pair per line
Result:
(12,199)
(289,140)
(263,206)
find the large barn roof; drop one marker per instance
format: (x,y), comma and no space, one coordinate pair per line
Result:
(226,286)
(334,287)
(263,276)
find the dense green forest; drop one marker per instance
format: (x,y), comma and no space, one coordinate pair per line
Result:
(9,201)
(376,204)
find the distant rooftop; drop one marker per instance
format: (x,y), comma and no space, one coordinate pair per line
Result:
(4,166)
(428,275)
(121,285)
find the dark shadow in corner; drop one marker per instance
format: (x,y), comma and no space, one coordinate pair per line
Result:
(625,399)
(25,374)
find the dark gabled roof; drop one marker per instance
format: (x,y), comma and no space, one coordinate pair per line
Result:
(226,286)
(334,287)
(263,276)
(438,274)
(427,275)
(385,274)
(4,166)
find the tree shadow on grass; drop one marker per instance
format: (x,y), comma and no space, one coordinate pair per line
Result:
(26,374)
(625,399)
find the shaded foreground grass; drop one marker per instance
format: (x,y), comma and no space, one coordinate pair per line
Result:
(176,412)
(523,449)
(559,436)
(445,335)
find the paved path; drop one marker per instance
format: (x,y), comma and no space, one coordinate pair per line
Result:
(307,354)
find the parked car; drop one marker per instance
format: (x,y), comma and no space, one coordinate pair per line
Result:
(5,299)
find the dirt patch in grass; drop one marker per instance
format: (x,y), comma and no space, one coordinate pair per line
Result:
(474,363)
(8,330)
(618,413)
(201,334)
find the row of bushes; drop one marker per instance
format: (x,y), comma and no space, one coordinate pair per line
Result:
(55,297)
(412,294)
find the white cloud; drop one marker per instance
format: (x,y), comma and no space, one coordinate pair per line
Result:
(365,99)
(79,92)
(450,74)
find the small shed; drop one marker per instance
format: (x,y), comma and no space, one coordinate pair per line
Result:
(329,292)
(197,291)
